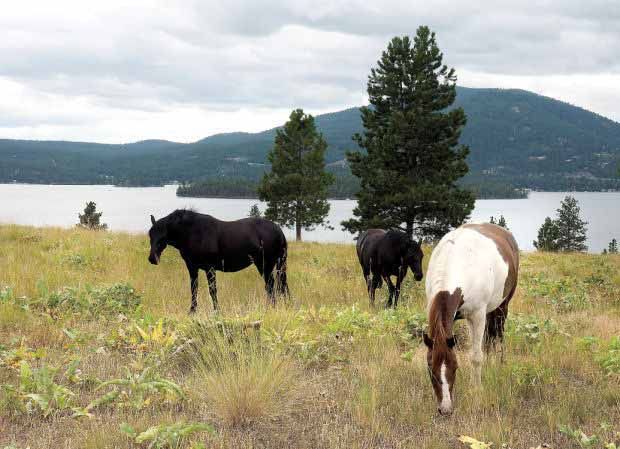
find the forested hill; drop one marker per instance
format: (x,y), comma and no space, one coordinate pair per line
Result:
(516,137)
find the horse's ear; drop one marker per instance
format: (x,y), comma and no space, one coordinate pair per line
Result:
(428,341)
(152,219)
(451,342)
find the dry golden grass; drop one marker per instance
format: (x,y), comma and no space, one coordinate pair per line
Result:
(325,370)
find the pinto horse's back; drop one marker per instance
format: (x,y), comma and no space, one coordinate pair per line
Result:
(480,260)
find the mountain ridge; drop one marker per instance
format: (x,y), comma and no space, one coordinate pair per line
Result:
(515,136)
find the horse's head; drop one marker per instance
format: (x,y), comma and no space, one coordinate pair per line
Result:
(442,366)
(413,258)
(158,234)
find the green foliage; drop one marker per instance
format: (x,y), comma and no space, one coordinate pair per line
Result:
(166,436)
(413,159)
(91,219)
(499,222)
(565,294)
(606,353)
(530,330)
(137,390)
(11,356)
(255,211)
(590,441)
(548,236)
(566,233)
(37,391)
(97,301)
(296,188)
(613,247)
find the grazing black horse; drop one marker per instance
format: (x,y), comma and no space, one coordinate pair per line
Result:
(209,244)
(383,254)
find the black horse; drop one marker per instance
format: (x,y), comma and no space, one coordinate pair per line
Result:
(383,254)
(209,244)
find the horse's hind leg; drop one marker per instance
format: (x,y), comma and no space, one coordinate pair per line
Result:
(494,329)
(270,281)
(281,281)
(477,326)
(193,284)
(392,291)
(212,286)
(375,282)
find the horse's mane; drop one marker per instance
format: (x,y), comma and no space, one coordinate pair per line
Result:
(442,312)
(189,212)
(400,237)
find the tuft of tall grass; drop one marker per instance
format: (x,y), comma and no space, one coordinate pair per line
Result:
(239,381)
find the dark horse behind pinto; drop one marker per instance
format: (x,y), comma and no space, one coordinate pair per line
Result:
(209,244)
(383,254)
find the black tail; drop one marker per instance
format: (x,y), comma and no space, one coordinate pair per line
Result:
(281,282)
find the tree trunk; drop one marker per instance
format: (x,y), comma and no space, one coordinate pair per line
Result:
(409,230)
(298,223)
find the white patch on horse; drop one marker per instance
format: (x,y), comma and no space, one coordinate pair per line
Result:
(458,261)
(446,400)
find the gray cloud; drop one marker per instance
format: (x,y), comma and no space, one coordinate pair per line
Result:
(151,57)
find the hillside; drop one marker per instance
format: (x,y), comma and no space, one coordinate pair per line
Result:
(516,137)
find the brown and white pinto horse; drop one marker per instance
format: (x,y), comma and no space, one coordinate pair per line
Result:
(472,274)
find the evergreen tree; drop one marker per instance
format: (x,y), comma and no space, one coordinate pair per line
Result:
(296,188)
(548,235)
(412,161)
(571,228)
(613,247)
(566,233)
(90,219)
(255,211)
(501,222)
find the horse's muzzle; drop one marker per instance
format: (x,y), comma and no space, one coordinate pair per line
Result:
(153,258)
(418,276)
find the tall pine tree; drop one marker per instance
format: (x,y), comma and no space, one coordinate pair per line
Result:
(413,159)
(296,188)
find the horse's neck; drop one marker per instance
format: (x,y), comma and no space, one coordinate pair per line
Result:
(442,312)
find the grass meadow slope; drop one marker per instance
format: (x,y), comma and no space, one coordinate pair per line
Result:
(97,351)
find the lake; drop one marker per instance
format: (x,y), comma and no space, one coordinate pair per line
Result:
(128,209)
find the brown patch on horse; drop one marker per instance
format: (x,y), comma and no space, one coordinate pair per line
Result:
(508,249)
(440,340)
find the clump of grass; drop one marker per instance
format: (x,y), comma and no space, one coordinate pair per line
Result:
(240,381)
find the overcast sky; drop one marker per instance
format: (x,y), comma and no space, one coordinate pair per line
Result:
(118,71)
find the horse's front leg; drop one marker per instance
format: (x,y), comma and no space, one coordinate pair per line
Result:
(399,281)
(212,286)
(476,326)
(193,283)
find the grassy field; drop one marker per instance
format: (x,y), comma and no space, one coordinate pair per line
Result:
(97,351)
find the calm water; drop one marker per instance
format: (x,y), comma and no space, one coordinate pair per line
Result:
(128,209)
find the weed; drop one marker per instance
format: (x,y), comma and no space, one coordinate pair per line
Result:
(136,390)
(166,436)
(11,357)
(38,392)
